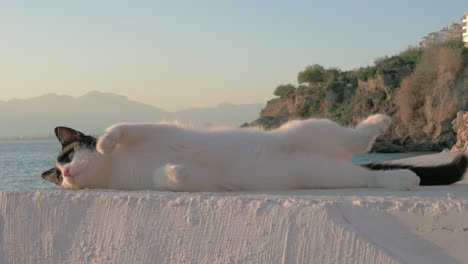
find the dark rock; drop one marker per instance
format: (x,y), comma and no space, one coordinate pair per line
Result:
(269,122)
(387,147)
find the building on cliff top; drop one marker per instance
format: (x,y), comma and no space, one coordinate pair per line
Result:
(438,37)
(454,31)
(465,29)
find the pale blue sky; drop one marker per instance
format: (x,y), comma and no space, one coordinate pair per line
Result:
(178,54)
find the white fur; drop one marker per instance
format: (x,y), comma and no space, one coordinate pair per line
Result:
(313,153)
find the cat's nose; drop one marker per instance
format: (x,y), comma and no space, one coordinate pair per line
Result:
(66,172)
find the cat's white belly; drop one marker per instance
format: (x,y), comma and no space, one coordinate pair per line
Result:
(209,168)
(134,172)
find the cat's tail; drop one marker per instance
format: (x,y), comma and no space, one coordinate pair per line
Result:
(431,175)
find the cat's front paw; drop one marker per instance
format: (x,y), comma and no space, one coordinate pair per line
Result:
(170,177)
(107,142)
(176,173)
(379,121)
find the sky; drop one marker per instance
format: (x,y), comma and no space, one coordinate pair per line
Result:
(181,54)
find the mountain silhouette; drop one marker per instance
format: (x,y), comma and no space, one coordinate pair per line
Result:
(94,111)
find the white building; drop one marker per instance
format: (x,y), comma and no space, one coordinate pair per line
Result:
(465,28)
(441,36)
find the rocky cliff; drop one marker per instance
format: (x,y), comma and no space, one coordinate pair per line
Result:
(460,126)
(422,92)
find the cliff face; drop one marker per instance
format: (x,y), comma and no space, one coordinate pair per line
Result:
(460,125)
(422,100)
(429,99)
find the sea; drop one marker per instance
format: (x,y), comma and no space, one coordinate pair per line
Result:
(22,163)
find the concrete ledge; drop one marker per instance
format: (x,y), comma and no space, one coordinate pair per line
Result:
(325,226)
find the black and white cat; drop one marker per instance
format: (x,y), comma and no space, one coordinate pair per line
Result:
(313,153)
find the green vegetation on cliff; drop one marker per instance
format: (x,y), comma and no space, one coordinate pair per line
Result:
(422,89)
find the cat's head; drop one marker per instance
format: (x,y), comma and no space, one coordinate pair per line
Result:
(74,165)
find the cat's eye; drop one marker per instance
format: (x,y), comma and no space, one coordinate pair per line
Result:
(66,157)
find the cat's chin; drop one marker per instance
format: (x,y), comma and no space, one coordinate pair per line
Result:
(70,186)
(73,182)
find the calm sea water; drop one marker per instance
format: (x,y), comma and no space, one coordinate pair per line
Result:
(22,162)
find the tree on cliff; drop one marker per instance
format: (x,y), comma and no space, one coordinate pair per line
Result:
(284,90)
(312,74)
(331,74)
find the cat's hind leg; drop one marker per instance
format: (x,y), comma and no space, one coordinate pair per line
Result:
(404,180)
(328,138)
(375,124)
(367,131)
(323,172)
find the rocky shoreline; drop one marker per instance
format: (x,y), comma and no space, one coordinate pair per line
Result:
(453,138)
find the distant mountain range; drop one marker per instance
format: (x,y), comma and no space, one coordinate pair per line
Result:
(94,111)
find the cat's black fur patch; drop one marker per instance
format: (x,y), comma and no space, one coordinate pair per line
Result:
(431,175)
(71,141)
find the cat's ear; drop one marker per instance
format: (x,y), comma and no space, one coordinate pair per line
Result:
(67,135)
(51,175)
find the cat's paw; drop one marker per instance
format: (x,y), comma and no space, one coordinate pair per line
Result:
(379,121)
(107,142)
(170,177)
(404,180)
(176,173)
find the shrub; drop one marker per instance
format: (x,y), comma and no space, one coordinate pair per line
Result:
(455,43)
(433,73)
(284,90)
(331,74)
(312,74)
(365,73)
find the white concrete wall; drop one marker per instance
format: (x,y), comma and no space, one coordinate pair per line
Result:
(309,226)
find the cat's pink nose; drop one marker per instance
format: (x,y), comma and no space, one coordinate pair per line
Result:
(66,172)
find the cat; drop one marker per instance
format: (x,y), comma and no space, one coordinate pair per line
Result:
(313,153)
